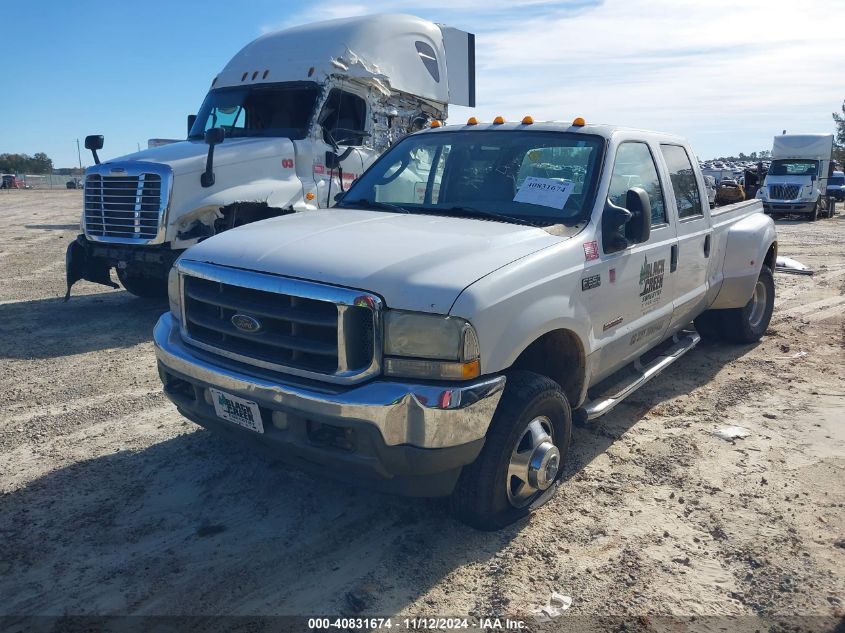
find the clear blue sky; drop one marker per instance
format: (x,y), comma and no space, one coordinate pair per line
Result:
(728,75)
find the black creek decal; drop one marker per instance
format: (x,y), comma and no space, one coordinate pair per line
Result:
(651,282)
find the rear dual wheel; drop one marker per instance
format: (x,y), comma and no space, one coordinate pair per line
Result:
(523,455)
(746,324)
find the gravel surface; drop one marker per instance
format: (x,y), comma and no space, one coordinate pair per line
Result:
(112,503)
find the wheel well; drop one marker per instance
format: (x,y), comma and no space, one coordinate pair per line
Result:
(771,256)
(558,355)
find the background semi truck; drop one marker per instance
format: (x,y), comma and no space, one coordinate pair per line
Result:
(291,120)
(797,179)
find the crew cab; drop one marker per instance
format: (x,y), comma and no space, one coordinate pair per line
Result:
(475,290)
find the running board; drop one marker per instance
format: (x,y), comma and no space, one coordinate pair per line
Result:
(682,342)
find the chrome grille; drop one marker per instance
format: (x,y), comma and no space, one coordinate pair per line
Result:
(305,329)
(784,192)
(125,202)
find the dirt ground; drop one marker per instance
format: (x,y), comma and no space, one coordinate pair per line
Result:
(111,503)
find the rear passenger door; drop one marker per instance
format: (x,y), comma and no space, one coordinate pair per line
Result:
(631,313)
(691,255)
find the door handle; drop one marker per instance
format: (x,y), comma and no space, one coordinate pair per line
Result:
(673,259)
(707,245)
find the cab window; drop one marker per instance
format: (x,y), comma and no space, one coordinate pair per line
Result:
(344,118)
(634,167)
(684,184)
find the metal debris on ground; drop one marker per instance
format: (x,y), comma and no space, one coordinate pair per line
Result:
(558,603)
(732,433)
(791,266)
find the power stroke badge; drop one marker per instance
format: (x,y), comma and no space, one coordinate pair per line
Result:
(651,282)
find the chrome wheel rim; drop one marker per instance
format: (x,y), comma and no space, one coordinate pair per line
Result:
(534,463)
(758,305)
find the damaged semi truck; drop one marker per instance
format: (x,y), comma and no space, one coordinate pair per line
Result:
(287,125)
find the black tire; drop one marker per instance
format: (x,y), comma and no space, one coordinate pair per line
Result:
(481,496)
(709,325)
(814,215)
(746,325)
(140,286)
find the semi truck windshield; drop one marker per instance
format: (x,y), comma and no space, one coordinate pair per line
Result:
(281,109)
(794,167)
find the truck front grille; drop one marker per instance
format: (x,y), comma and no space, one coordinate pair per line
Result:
(280,329)
(125,201)
(784,192)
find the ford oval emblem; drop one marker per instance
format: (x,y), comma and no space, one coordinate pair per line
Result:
(246,323)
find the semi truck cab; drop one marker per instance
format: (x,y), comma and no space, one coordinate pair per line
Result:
(286,126)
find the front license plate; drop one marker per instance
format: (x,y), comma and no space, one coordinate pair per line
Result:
(242,412)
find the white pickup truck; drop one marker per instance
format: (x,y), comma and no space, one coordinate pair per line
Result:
(477,288)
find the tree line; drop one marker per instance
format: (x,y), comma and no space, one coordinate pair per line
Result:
(26,164)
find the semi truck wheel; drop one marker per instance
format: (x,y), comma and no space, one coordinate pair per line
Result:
(140,286)
(814,214)
(749,323)
(523,455)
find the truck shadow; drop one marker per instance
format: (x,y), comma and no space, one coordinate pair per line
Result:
(50,328)
(196,525)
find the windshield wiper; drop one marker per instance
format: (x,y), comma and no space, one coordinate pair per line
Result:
(492,215)
(373,204)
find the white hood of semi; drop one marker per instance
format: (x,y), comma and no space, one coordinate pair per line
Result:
(414,262)
(187,157)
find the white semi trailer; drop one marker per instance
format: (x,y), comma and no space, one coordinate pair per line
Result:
(289,123)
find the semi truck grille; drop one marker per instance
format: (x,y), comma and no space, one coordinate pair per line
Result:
(278,328)
(125,202)
(784,192)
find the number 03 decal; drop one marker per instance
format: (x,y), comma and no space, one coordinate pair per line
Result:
(287,163)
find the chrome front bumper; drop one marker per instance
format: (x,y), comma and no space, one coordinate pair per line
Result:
(423,416)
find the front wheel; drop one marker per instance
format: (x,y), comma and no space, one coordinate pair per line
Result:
(522,458)
(141,286)
(749,323)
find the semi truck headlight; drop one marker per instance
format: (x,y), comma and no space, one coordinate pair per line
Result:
(430,346)
(174,294)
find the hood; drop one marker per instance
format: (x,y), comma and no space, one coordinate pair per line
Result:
(414,262)
(187,157)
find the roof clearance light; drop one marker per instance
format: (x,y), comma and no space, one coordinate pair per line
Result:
(527,119)
(472,121)
(310,196)
(498,120)
(579,122)
(436,123)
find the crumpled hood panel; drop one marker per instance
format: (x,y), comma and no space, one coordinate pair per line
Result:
(415,262)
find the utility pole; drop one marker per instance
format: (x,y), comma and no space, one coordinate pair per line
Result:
(79,154)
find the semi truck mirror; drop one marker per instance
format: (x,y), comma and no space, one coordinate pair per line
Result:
(213,137)
(94,142)
(191,119)
(637,202)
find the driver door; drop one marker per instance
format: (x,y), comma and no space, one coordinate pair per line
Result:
(342,132)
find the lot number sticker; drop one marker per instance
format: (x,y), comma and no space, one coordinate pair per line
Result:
(544,191)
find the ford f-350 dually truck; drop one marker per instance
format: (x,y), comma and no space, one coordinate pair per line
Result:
(477,288)
(290,121)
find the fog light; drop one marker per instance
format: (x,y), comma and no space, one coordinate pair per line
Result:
(280,420)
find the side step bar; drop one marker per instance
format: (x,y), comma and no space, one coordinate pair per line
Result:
(682,342)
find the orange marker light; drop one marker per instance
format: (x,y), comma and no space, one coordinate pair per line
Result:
(309,196)
(436,124)
(498,120)
(527,120)
(472,121)
(579,122)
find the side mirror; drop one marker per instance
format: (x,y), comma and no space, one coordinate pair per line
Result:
(94,142)
(638,228)
(614,219)
(214,136)
(191,119)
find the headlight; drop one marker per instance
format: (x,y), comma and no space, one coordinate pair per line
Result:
(173,293)
(418,345)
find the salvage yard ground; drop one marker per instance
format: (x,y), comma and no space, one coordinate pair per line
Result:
(111,503)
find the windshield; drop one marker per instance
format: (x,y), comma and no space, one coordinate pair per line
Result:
(516,176)
(794,167)
(282,109)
